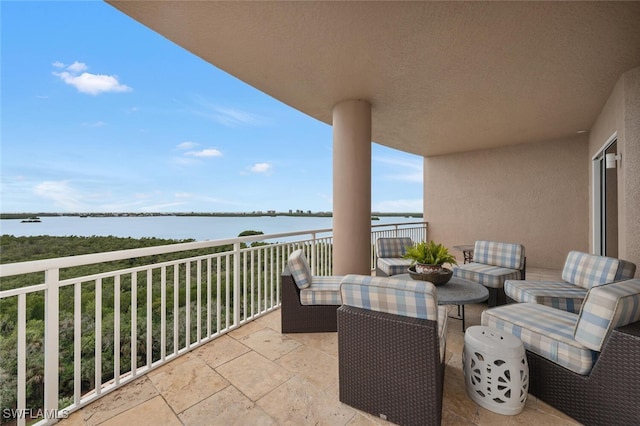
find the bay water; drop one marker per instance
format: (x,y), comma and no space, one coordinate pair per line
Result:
(199,228)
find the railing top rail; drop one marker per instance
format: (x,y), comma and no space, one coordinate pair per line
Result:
(380,225)
(88,259)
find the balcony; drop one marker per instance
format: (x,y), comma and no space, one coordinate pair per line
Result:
(256,375)
(223,360)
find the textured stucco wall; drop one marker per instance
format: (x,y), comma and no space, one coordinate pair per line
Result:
(534,194)
(621,115)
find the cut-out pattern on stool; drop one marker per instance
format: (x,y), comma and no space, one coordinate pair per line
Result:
(496,372)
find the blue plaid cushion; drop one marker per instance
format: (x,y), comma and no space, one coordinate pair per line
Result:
(505,255)
(392,247)
(393,265)
(545,331)
(588,270)
(626,271)
(408,298)
(299,269)
(487,275)
(557,294)
(605,308)
(323,291)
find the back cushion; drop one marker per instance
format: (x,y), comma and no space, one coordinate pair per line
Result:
(392,247)
(588,270)
(409,298)
(505,255)
(605,308)
(299,269)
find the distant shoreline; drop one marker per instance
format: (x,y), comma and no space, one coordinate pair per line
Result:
(211,214)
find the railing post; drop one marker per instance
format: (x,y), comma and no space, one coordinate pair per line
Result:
(51,342)
(236,284)
(314,261)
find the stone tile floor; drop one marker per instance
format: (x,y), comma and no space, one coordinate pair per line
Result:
(255,375)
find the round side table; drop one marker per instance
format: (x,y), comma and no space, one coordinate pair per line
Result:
(496,372)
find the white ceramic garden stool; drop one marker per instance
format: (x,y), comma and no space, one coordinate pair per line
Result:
(496,372)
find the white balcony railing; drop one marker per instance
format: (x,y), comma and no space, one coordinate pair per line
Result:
(160,310)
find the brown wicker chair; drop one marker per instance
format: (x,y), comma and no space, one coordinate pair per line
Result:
(299,318)
(390,365)
(609,395)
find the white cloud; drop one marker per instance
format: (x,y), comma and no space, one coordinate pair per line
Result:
(160,207)
(232,117)
(260,168)
(405,163)
(398,206)
(182,195)
(187,145)
(209,152)
(404,170)
(61,193)
(92,84)
(77,67)
(407,177)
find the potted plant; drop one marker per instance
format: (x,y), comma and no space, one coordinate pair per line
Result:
(428,259)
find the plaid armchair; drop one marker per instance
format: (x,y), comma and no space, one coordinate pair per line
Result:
(493,264)
(309,303)
(390,252)
(588,364)
(391,347)
(581,272)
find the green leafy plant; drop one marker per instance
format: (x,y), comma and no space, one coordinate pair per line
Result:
(430,254)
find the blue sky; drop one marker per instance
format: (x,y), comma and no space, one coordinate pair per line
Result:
(101,114)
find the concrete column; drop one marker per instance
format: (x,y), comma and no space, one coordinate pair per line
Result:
(352,187)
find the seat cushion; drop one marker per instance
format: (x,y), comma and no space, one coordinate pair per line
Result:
(393,265)
(605,308)
(487,275)
(545,331)
(323,291)
(588,270)
(299,268)
(557,294)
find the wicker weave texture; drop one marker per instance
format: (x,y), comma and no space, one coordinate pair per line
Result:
(298,318)
(609,395)
(389,366)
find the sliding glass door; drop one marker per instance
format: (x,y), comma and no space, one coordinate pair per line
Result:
(606,201)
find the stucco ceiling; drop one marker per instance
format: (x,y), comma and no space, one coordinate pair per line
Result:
(442,77)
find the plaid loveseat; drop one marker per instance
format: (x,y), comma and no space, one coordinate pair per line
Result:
(494,263)
(581,272)
(586,364)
